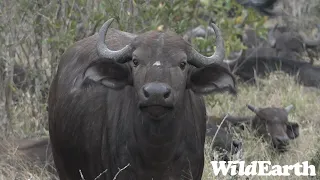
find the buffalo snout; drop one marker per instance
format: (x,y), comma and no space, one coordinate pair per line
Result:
(281,143)
(157,99)
(159,91)
(237,144)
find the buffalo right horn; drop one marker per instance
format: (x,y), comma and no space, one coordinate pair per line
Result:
(289,108)
(198,60)
(271,38)
(120,56)
(253,109)
(236,55)
(196,32)
(308,42)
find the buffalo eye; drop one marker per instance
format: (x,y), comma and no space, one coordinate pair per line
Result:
(135,62)
(183,65)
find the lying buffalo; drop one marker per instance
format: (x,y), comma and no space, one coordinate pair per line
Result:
(289,44)
(223,141)
(281,42)
(271,123)
(262,57)
(305,73)
(263,6)
(121,100)
(34,151)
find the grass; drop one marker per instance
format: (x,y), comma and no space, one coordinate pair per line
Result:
(277,90)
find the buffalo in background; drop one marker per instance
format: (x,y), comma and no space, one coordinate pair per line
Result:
(270,123)
(31,151)
(283,50)
(223,141)
(263,6)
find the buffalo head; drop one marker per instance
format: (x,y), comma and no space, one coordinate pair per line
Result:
(160,66)
(287,42)
(273,123)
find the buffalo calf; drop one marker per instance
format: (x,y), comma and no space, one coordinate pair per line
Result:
(272,123)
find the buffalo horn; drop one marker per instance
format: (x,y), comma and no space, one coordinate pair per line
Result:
(308,42)
(253,109)
(120,56)
(289,108)
(237,56)
(271,38)
(198,60)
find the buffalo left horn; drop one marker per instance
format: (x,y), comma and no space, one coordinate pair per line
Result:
(271,38)
(308,42)
(236,55)
(289,108)
(198,60)
(253,109)
(120,56)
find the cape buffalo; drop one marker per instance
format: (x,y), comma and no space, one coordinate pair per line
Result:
(306,73)
(271,123)
(263,6)
(281,42)
(32,151)
(262,57)
(121,100)
(290,44)
(223,141)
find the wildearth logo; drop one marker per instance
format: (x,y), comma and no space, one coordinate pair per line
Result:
(262,168)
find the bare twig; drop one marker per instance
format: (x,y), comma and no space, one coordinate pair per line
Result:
(115,177)
(101,174)
(214,137)
(82,178)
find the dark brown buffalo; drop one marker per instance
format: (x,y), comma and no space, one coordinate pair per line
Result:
(289,44)
(223,141)
(305,73)
(34,151)
(125,100)
(271,123)
(263,6)
(260,59)
(281,42)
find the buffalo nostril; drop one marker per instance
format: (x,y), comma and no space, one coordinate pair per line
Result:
(146,93)
(167,93)
(283,141)
(237,144)
(156,90)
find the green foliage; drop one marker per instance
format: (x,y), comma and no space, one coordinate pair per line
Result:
(60,22)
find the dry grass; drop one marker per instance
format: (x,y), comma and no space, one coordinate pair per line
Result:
(13,167)
(277,90)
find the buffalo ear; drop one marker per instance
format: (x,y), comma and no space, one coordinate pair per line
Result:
(212,78)
(108,73)
(292,130)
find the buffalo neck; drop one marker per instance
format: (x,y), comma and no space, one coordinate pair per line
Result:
(158,140)
(157,143)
